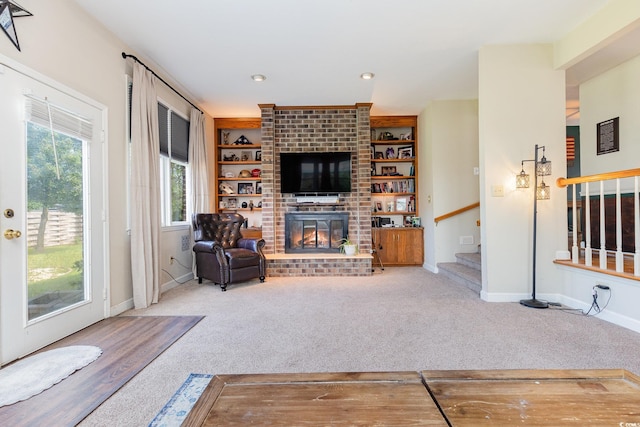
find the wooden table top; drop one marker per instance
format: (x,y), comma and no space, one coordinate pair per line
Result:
(433,398)
(537,397)
(348,399)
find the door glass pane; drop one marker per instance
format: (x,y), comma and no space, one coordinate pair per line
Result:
(55,261)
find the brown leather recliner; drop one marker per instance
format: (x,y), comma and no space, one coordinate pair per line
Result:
(222,254)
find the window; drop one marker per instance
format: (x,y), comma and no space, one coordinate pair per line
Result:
(174,165)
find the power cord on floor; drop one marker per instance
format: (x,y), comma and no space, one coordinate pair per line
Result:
(595,307)
(183,266)
(594,304)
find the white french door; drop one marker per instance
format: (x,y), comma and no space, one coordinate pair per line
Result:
(53,274)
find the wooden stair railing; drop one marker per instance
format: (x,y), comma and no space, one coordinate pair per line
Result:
(456,212)
(589,196)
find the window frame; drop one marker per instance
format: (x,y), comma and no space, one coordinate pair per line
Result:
(166,161)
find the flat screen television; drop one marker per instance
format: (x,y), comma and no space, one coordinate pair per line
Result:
(315,173)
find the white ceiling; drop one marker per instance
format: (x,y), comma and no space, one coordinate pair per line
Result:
(313,51)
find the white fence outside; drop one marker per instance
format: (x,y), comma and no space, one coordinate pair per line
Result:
(63,228)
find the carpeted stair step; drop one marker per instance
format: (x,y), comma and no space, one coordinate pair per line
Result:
(466,271)
(472,260)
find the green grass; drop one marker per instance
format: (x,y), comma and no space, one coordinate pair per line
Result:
(63,275)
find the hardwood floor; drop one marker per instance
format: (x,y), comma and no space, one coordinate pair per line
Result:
(129,343)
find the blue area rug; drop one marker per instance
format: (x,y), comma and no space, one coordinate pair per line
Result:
(178,407)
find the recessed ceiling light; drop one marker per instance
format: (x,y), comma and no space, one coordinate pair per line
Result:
(367,76)
(258,77)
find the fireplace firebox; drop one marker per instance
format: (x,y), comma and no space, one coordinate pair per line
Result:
(319,232)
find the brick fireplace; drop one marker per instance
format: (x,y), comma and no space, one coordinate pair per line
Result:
(317,129)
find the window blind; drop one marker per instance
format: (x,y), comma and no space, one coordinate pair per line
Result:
(64,121)
(178,129)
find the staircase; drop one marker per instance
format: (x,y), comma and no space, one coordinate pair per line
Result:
(465,271)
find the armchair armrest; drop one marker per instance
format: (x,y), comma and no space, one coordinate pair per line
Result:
(208,246)
(255,245)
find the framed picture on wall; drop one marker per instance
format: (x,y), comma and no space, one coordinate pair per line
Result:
(608,136)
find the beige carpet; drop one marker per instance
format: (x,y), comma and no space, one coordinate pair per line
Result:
(400,319)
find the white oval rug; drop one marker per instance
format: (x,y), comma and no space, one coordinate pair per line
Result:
(34,374)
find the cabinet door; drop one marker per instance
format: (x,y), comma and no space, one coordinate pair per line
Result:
(385,245)
(400,246)
(410,246)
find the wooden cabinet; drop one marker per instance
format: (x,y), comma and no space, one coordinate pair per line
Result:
(251,233)
(394,168)
(238,158)
(399,245)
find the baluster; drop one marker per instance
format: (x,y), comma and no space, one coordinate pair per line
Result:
(575,252)
(603,231)
(636,216)
(619,254)
(588,258)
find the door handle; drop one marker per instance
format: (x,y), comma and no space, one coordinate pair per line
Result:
(11,234)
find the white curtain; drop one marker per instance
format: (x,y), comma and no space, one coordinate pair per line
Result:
(145,189)
(199,171)
(198,163)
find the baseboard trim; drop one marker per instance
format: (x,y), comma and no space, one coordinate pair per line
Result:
(175,283)
(121,308)
(607,315)
(128,304)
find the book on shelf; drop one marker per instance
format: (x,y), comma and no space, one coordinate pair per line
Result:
(399,186)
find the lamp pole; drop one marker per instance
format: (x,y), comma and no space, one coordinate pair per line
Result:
(533,302)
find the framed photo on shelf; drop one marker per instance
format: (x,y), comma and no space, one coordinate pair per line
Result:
(405,152)
(245,188)
(379,155)
(388,170)
(245,156)
(232,203)
(391,153)
(401,204)
(378,206)
(258,156)
(258,188)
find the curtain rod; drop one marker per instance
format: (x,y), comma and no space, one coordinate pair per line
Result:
(125,56)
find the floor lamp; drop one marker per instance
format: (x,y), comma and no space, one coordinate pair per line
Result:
(542,192)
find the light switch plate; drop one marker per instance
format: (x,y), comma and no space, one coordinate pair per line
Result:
(497,191)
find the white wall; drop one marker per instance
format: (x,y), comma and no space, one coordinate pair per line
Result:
(64,43)
(615,93)
(448,155)
(521,104)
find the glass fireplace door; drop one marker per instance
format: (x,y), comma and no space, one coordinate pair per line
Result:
(315,233)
